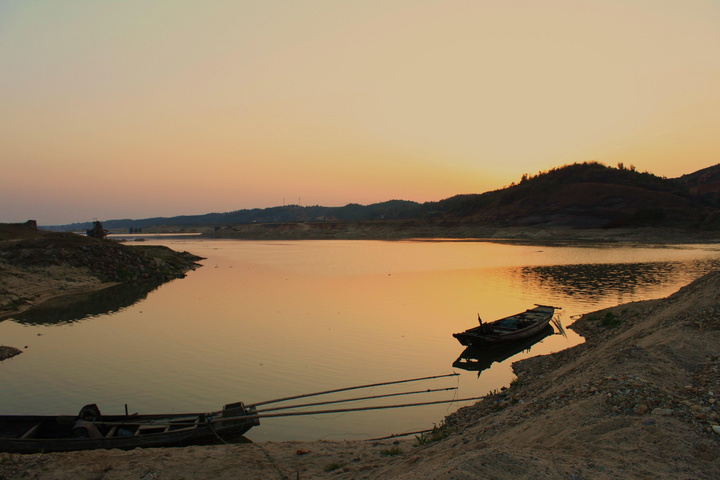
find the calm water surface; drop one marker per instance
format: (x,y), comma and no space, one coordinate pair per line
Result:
(269,319)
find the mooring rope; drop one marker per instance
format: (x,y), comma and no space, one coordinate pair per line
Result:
(267,455)
(272,462)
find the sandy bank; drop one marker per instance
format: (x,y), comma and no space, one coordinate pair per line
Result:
(36,265)
(637,400)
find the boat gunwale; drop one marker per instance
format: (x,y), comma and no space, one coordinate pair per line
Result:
(539,317)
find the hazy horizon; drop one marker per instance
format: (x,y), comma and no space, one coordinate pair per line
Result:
(136,109)
(291,204)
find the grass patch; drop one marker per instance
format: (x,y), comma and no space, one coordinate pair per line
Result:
(610,320)
(391,452)
(515,383)
(435,435)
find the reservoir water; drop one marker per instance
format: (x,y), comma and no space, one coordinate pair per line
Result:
(268,319)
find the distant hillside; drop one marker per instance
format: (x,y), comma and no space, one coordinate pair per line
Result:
(704,184)
(589,195)
(391,210)
(581,195)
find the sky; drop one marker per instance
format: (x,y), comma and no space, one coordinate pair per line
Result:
(137,109)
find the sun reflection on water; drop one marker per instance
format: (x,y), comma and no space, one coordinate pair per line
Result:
(269,319)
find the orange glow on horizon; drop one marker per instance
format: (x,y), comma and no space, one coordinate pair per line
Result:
(161,110)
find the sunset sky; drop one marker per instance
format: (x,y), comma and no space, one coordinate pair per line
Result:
(135,109)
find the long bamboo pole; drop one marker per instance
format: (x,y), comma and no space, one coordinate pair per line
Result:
(277,400)
(294,414)
(342,410)
(314,404)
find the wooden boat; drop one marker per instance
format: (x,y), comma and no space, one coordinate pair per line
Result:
(478,359)
(91,430)
(509,329)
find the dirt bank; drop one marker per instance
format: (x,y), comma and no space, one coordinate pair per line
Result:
(36,265)
(637,400)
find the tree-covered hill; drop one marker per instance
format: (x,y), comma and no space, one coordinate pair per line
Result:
(581,195)
(585,195)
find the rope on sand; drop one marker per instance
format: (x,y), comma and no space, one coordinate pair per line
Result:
(272,462)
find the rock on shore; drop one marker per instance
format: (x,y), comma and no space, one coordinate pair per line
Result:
(637,400)
(8,352)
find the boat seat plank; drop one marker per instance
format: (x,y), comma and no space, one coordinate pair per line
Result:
(31,432)
(112,432)
(144,429)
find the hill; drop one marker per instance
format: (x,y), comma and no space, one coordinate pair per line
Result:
(589,195)
(704,184)
(578,196)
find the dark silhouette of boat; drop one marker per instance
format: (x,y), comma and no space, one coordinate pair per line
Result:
(481,358)
(90,430)
(509,329)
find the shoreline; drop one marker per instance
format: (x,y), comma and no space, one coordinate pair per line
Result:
(411,230)
(636,400)
(38,266)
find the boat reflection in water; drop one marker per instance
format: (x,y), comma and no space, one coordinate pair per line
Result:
(481,358)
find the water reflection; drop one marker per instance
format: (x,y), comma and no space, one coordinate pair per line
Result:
(595,281)
(76,307)
(270,319)
(478,359)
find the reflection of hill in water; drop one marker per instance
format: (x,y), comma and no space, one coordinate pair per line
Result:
(594,281)
(77,307)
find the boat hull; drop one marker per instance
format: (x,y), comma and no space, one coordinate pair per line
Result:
(481,358)
(507,330)
(33,434)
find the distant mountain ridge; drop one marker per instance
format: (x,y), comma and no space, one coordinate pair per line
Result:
(390,210)
(591,195)
(581,195)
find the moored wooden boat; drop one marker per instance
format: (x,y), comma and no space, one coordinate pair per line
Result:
(91,430)
(478,359)
(509,329)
